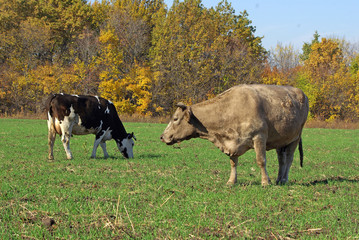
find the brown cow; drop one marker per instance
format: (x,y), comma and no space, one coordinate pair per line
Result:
(259,117)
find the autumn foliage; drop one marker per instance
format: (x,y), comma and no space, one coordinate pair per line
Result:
(145,56)
(326,75)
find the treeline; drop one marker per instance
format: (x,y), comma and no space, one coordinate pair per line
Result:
(145,56)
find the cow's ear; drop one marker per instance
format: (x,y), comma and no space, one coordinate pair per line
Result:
(188,114)
(181,105)
(131,135)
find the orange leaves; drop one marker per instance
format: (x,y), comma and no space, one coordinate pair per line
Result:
(274,77)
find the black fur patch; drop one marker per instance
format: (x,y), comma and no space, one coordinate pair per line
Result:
(125,153)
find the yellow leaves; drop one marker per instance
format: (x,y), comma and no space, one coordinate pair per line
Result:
(324,77)
(111,56)
(51,79)
(274,78)
(45,76)
(330,80)
(325,59)
(130,94)
(145,58)
(109,89)
(108,37)
(129,91)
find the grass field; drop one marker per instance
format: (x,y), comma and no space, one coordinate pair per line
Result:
(173,192)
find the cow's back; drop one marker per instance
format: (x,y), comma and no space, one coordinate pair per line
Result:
(283,110)
(59,105)
(278,111)
(86,112)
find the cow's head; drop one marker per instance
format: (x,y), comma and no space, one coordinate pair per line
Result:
(126,145)
(181,126)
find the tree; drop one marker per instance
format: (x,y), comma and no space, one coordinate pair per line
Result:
(307,47)
(334,87)
(133,34)
(33,44)
(132,93)
(282,67)
(125,77)
(66,19)
(199,52)
(284,58)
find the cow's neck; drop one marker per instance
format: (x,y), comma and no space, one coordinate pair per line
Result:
(209,119)
(214,127)
(204,121)
(119,131)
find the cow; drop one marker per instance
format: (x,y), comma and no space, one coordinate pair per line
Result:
(81,115)
(259,117)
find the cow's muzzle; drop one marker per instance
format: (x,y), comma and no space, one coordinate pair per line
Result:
(168,141)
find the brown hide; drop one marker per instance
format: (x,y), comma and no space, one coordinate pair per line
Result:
(262,117)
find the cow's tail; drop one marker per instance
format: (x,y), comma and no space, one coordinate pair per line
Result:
(301,152)
(48,107)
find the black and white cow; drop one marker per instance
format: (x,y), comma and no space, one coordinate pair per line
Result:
(80,115)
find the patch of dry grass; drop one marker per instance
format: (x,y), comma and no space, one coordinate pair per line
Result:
(314,123)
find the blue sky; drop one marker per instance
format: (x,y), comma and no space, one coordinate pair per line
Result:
(295,21)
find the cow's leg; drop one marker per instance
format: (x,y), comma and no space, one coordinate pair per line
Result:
(282,160)
(51,137)
(260,149)
(285,159)
(289,159)
(98,140)
(103,146)
(65,138)
(95,145)
(66,129)
(233,177)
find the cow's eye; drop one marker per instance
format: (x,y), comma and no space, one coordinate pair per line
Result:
(175,119)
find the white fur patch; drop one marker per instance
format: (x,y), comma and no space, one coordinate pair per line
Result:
(49,120)
(107,111)
(127,147)
(107,135)
(78,129)
(98,100)
(101,140)
(67,124)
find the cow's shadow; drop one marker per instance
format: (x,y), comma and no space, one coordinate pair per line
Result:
(326,181)
(150,155)
(139,156)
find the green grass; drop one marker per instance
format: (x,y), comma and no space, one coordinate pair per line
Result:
(171,192)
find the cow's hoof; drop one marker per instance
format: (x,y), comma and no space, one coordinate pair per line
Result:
(231,183)
(51,157)
(281,182)
(266,183)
